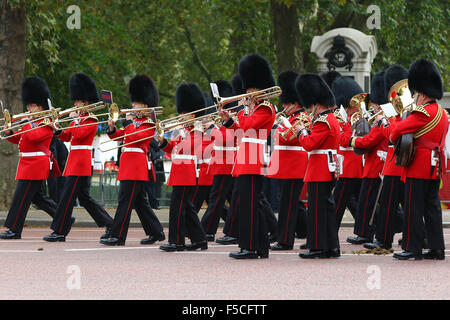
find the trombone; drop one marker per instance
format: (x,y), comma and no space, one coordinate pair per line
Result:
(82,110)
(183,119)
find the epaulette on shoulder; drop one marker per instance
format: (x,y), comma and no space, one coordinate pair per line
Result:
(322,118)
(420,109)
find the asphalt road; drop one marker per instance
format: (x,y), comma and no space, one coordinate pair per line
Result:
(81,268)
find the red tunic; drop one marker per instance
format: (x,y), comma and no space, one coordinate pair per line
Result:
(324,138)
(205,178)
(34,152)
(374,159)
(134,164)
(288,160)
(421,166)
(79,162)
(256,129)
(224,151)
(390,168)
(184,159)
(352,166)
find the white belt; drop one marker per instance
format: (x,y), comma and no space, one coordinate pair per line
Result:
(31,154)
(323,151)
(133,150)
(292,148)
(184,157)
(80,147)
(225,148)
(253,140)
(391,146)
(346,149)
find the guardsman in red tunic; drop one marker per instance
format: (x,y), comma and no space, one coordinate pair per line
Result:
(185,151)
(222,159)
(255,121)
(288,163)
(78,170)
(35,159)
(429,123)
(135,168)
(322,144)
(346,190)
(389,216)
(377,145)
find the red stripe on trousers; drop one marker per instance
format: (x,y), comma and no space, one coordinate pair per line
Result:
(317,198)
(251,219)
(68,204)
(128,210)
(21,203)
(340,197)
(389,209)
(289,212)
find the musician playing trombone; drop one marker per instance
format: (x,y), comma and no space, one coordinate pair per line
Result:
(35,159)
(78,170)
(135,168)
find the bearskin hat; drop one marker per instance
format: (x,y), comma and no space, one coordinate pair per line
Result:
(378,92)
(392,75)
(83,88)
(330,76)
(255,72)
(344,89)
(189,97)
(286,81)
(143,89)
(35,91)
(236,84)
(312,89)
(424,77)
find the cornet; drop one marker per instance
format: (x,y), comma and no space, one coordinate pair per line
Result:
(300,119)
(400,97)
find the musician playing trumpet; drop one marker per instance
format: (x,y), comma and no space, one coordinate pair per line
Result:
(79,166)
(35,159)
(135,168)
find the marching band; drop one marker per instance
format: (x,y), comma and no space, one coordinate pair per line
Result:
(346,146)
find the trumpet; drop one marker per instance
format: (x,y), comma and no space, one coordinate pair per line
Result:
(338,116)
(186,120)
(301,119)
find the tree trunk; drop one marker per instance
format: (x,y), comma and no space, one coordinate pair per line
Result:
(12,66)
(287,36)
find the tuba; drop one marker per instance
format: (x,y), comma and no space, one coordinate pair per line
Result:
(400,97)
(359,119)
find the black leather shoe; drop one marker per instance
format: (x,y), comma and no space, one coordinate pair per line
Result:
(281,246)
(10,235)
(273,238)
(202,245)
(377,244)
(406,255)
(249,254)
(334,253)
(107,233)
(210,237)
(303,246)
(153,239)
(434,255)
(55,237)
(112,242)
(170,247)
(312,254)
(358,240)
(227,240)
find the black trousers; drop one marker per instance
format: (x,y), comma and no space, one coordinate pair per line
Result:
(322,227)
(422,203)
(287,215)
(219,193)
(345,192)
(231,227)
(183,219)
(389,217)
(200,195)
(302,221)
(367,198)
(27,192)
(133,195)
(253,231)
(78,187)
